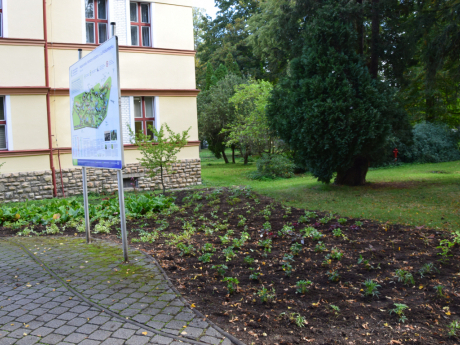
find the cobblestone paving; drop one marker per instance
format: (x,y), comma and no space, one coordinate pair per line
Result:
(35,308)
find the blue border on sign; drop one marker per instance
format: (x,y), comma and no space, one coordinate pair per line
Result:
(95,163)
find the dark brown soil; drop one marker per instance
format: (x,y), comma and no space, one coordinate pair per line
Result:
(359,320)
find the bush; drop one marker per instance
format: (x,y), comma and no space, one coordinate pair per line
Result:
(273,166)
(433,143)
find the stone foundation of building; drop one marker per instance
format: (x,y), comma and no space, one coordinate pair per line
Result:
(37,185)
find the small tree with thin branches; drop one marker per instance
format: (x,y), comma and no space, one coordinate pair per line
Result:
(159,150)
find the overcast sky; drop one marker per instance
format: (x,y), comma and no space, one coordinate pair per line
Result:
(208,5)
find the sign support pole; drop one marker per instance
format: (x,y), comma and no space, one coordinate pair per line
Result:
(85,189)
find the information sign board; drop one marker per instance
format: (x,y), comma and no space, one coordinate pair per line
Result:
(94,109)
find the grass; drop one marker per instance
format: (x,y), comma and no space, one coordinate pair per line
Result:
(415,194)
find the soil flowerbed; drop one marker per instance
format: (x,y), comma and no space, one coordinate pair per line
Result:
(288,245)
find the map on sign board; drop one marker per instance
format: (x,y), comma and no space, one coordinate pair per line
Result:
(94,109)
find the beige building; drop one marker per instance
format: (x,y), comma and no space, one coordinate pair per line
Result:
(39,40)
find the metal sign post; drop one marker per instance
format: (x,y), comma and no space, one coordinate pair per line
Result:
(85,189)
(95,111)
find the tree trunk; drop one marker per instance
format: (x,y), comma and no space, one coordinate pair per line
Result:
(374,64)
(246,156)
(233,154)
(360,27)
(356,175)
(225,156)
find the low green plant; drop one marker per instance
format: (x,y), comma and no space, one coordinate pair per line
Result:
(359,223)
(225,239)
(208,248)
(371,288)
(232,284)
(266,243)
(298,319)
(326,219)
(249,260)
(333,276)
(336,254)
(306,232)
(427,269)
(242,220)
(27,232)
(147,237)
(439,291)
(245,236)
(366,263)
(238,243)
(405,277)
(53,229)
(316,235)
(208,231)
(254,275)
(221,269)
(287,268)
(185,250)
(337,232)
(320,247)
(342,221)
(265,295)
(228,253)
(399,310)
(296,248)
(303,285)
(205,258)
(286,230)
(335,308)
(445,246)
(453,327)
(306,217)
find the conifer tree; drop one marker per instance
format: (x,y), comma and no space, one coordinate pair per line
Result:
(334,116)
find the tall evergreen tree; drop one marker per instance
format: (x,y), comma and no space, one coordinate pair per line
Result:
(329,109)
(209,74)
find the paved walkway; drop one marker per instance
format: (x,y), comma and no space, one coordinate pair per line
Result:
(119,303)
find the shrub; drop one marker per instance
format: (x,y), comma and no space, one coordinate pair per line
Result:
(273,166)
(433,143)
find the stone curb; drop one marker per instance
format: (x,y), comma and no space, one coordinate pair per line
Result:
(95,305)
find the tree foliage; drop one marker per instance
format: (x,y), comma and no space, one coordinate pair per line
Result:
(250,130)
(215,113)
(159,151)
(329,109)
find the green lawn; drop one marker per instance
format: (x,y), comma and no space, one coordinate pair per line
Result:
(419,194)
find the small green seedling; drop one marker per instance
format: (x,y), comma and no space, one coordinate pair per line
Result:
(335,308)
(405,277)
(333,276)
(265,295)
(439,291)
(229,253)
(221,269)
(249,260)
(427,269)
(320,247)
(205,258)
(232,284)
(208,248)
(453,327)
(337,232)
(336,254)
(296,248)
(302,286)
(342,221)
(399,310)
(254,275)
(370,288)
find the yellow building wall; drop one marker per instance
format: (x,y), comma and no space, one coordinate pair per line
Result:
(22,66)
(60,120)
(25,19)
(25,164)
(28,122)
(173,27)
(163,71)
(65,21)
(180,113)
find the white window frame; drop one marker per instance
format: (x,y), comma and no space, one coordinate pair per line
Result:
(4,20)
(8,129)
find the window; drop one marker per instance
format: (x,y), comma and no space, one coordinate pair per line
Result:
(1,19)
(143,115)
(96,21)
(3,145)
(140,24)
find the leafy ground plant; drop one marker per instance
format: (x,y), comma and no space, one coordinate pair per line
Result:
(399,310)
(303,285)
(405,277)
(221,269)
(371,288)
(232,284)
(266,295)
